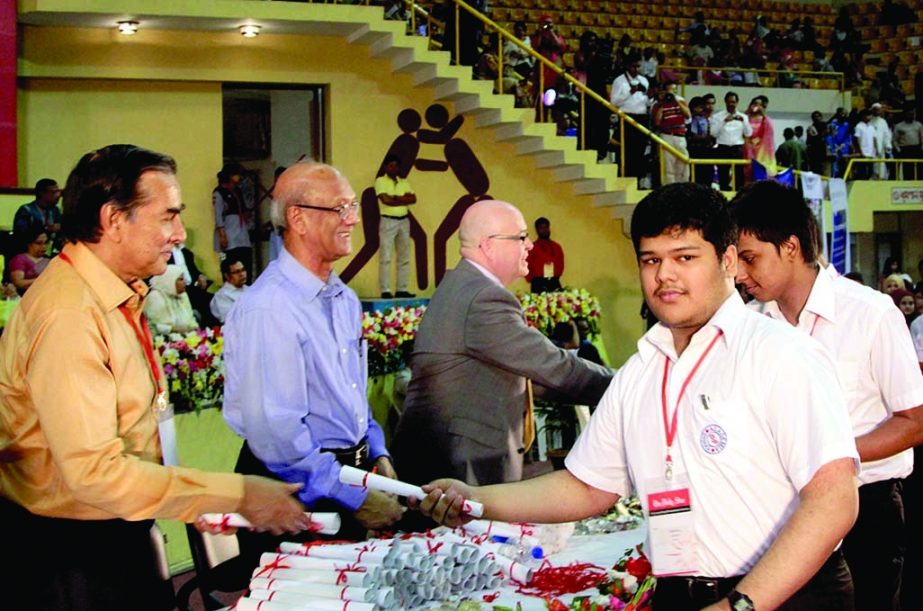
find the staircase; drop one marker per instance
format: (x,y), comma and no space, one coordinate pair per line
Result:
(557,155)
(365,25)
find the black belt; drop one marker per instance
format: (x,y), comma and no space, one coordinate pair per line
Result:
(355,456)
(396,218)
(702,591)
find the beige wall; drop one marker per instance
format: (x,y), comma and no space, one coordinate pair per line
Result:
(162,90)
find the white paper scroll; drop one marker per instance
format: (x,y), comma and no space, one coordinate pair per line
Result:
(310,604)
(319,603)
(382,596)
(373,481)
(323,523)
(347,578)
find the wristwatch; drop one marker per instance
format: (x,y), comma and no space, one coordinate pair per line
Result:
(740,602)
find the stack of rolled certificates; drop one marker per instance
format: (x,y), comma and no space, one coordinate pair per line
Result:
(406,572)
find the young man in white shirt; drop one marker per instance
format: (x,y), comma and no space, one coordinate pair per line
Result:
(875,359)
(729,127)
(702,413)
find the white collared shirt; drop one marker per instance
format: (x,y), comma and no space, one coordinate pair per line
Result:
(868,338)
(729,133)
(916,332)
(490,275)
(636,103)
(745,395)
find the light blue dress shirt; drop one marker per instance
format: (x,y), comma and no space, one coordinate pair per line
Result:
(296,376)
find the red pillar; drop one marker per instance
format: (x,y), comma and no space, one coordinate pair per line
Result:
(8,150)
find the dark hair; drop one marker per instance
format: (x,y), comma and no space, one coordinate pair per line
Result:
(731,93)
(32,233)
(709,96)
(773,213)
(520,23)
(224,176)
(684,206)
(542,220)
(108,175)
(855,276)
(763,99)
(43,184)
(564,332)
(788,133)
(226,264)
(886,268)
(696,101)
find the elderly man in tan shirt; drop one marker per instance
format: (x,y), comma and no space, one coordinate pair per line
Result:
(81,389)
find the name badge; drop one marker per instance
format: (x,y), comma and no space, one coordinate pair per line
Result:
(548,270)
(671,527)
(166,428)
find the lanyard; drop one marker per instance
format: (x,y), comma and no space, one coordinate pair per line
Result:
(147,344)
(670,424)
(814,326)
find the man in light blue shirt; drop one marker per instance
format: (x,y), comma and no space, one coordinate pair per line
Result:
(296,368)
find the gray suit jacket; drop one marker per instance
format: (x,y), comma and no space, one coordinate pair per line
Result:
(463,415)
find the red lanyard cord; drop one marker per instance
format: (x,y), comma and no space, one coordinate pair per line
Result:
(670,424)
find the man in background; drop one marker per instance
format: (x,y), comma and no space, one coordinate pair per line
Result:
(42,212)
(546,260)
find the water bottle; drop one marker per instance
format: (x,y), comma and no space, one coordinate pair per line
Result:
(513,549)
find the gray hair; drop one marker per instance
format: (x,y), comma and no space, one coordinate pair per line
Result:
(297,185)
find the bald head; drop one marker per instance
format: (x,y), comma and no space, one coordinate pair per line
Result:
(484,218)
(304,182)
(490,233)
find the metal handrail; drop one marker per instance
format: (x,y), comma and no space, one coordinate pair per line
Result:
(815,74)
(585,91)
(839,76)
(869,160)
(624,118)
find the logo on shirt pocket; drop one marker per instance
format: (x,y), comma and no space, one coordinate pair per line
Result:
(713,439)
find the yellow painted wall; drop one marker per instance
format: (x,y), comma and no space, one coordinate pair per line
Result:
(61,119)
(115,94)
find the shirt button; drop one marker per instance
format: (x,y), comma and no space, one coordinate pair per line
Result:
(343,350)
(361,420)
(353,384)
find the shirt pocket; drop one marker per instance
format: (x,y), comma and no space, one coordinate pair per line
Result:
(847,372)
(722,429)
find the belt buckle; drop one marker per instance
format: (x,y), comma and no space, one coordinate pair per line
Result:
(704,586)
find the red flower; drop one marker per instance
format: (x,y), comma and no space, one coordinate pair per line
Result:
(639,567)
(556,605)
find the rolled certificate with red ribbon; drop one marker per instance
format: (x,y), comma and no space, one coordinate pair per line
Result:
(373,481)
(323,523)
(305,604)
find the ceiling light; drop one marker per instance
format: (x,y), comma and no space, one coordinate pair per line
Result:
(128,27)
(250,30)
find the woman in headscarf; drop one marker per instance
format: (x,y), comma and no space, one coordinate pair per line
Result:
(167,305)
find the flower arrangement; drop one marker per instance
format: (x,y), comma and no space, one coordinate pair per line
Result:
(544,310)
(389,333)
(627,586)
(194,367)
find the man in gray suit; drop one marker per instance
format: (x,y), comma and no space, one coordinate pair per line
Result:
(473,359)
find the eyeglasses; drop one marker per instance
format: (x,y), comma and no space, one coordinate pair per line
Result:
(343,210)
(522,237)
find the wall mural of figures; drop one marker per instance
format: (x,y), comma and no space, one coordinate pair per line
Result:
(458,157)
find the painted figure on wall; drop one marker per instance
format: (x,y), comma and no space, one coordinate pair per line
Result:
(459,157)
